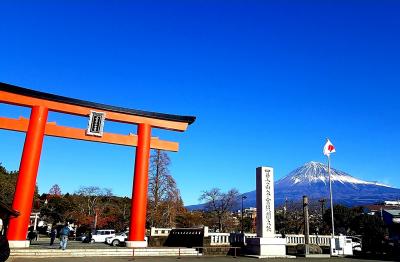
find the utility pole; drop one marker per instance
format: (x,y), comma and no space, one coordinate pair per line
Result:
(306,222)
(243,197)
(322,201)
(285,208)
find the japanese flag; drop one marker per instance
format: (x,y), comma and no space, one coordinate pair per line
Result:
(329,148)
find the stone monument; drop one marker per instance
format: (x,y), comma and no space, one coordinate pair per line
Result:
(265,244)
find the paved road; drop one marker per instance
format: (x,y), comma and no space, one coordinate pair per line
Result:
(72,244)
(174,259)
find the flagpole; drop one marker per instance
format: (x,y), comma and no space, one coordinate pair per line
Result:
(330,191)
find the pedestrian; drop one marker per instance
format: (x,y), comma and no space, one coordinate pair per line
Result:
(53,235)
(89,237)
(31,235)
(64,233)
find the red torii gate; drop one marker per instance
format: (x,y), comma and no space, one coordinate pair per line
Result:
(37,126)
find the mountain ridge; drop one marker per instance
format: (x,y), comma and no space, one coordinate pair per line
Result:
(315,171)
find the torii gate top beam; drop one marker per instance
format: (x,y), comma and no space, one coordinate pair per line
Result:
(15,95)
(11,94)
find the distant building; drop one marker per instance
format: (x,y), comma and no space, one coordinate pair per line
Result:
(392,221)
(392,203)
(378,209)
(250,212)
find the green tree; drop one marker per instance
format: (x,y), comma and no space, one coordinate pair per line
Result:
(58,208)
(248,224)
(373,232)
(343,218)
(8,181)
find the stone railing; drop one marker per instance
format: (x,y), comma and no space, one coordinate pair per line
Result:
(216,239)
(226,239)
(321,240)
(291,240)
(237,238)
(158,232)
(219,239)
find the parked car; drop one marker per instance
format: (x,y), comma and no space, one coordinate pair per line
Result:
(101,235)
(117,239)
(356,243)
(81,237)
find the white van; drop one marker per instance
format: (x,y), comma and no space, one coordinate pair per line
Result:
(101,235)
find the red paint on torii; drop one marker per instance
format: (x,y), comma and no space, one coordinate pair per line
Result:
(40,104)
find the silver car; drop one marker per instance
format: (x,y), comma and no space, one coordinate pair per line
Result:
(117,239)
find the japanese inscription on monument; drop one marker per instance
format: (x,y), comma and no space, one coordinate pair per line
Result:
(265,202)
(268,214)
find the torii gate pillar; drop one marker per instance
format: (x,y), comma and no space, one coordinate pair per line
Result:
(139,192)
(26,181)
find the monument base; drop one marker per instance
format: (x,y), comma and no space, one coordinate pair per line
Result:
(266,247)
(18,243)
(134,244)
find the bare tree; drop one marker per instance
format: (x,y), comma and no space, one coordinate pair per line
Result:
(174,207)
(219,203)
(92,195)
(164,196)
(55,190)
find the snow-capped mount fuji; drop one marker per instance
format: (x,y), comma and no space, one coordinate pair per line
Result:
(315,172)
(312,179)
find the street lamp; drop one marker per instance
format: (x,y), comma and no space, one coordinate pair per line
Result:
(243,197)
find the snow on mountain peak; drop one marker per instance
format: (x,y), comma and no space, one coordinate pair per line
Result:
(314,172)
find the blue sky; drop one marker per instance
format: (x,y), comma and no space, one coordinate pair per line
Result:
(267,80)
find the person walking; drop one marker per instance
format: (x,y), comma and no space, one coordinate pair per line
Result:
(53,235)
(31,235)
(64,233)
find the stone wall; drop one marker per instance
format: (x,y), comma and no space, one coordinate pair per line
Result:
(157,241)
(193,237)
(179,237)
